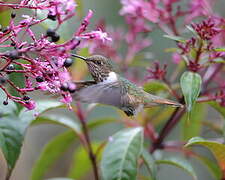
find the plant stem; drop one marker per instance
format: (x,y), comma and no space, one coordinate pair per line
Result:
(91,154)
(174,119)
(170,124)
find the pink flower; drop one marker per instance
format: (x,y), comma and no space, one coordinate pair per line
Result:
(98,35)
(176,58)
(207,29)
(156,72)
(30,105)
(199,8)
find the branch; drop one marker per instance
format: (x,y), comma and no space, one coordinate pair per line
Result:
(91,154)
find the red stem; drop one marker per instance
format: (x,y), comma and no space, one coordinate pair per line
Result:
(92,156)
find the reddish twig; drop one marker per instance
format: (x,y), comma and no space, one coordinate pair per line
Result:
(91,154)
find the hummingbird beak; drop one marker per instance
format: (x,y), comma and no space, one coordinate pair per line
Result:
(80,57)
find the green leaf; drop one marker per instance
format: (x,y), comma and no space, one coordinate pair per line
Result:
(219,49)
(79,8)
(216,148)
(155,87)
(150,163)
(6,14)
(212,167)
(81,163)
(121,153)
(175,38)
(11,138)
(42,106)
(101,121)
(9,109)
(219,108)
(51,152)
(190,83)
(60,120)
(19,80)
(180,163)
(193,128)
(192,30)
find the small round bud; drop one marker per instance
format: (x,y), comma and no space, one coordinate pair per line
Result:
(55,38)
(5,103)
(68,62)
(50,32)
(10,67)
(52,17)
(2,80)
(26,98)
(39,79)
(13,15)
(64,87)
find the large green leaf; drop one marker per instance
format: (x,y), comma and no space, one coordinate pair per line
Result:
(190,83)
(60,120)
(81,163)
(9,109)
(195,124)
(42,106)
(180,163)
(212,167)
(219,108)
(216,148)
(11,138)
(119,161)
(51,152)
(155,87)
(150,163)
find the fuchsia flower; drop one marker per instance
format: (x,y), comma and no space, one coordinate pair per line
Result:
(156,72)
(46,62)
(199,8)
(207,29)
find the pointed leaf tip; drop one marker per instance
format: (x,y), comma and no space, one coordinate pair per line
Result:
(190,83)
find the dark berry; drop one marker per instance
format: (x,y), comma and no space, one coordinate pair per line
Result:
(14,54)
(2,80)
(13,44)
(68,62)
(52,17)
(39,79)
(64,87)
(26,98)
(10,67)
(50,32)
(55,38)
(5,103)
(13,15)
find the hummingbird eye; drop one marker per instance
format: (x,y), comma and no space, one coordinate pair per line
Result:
(99,62)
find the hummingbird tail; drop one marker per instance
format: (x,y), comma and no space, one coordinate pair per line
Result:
(155,100)
(168,102)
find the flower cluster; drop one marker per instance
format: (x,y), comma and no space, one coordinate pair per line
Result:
(42,59)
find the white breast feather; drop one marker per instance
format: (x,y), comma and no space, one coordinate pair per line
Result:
(110,79)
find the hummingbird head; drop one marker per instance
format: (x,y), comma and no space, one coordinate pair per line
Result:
(99,66)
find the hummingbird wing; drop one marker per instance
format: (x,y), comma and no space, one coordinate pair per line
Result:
(82,84)
(100,93)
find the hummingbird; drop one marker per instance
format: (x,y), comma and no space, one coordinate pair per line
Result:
(110,88)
